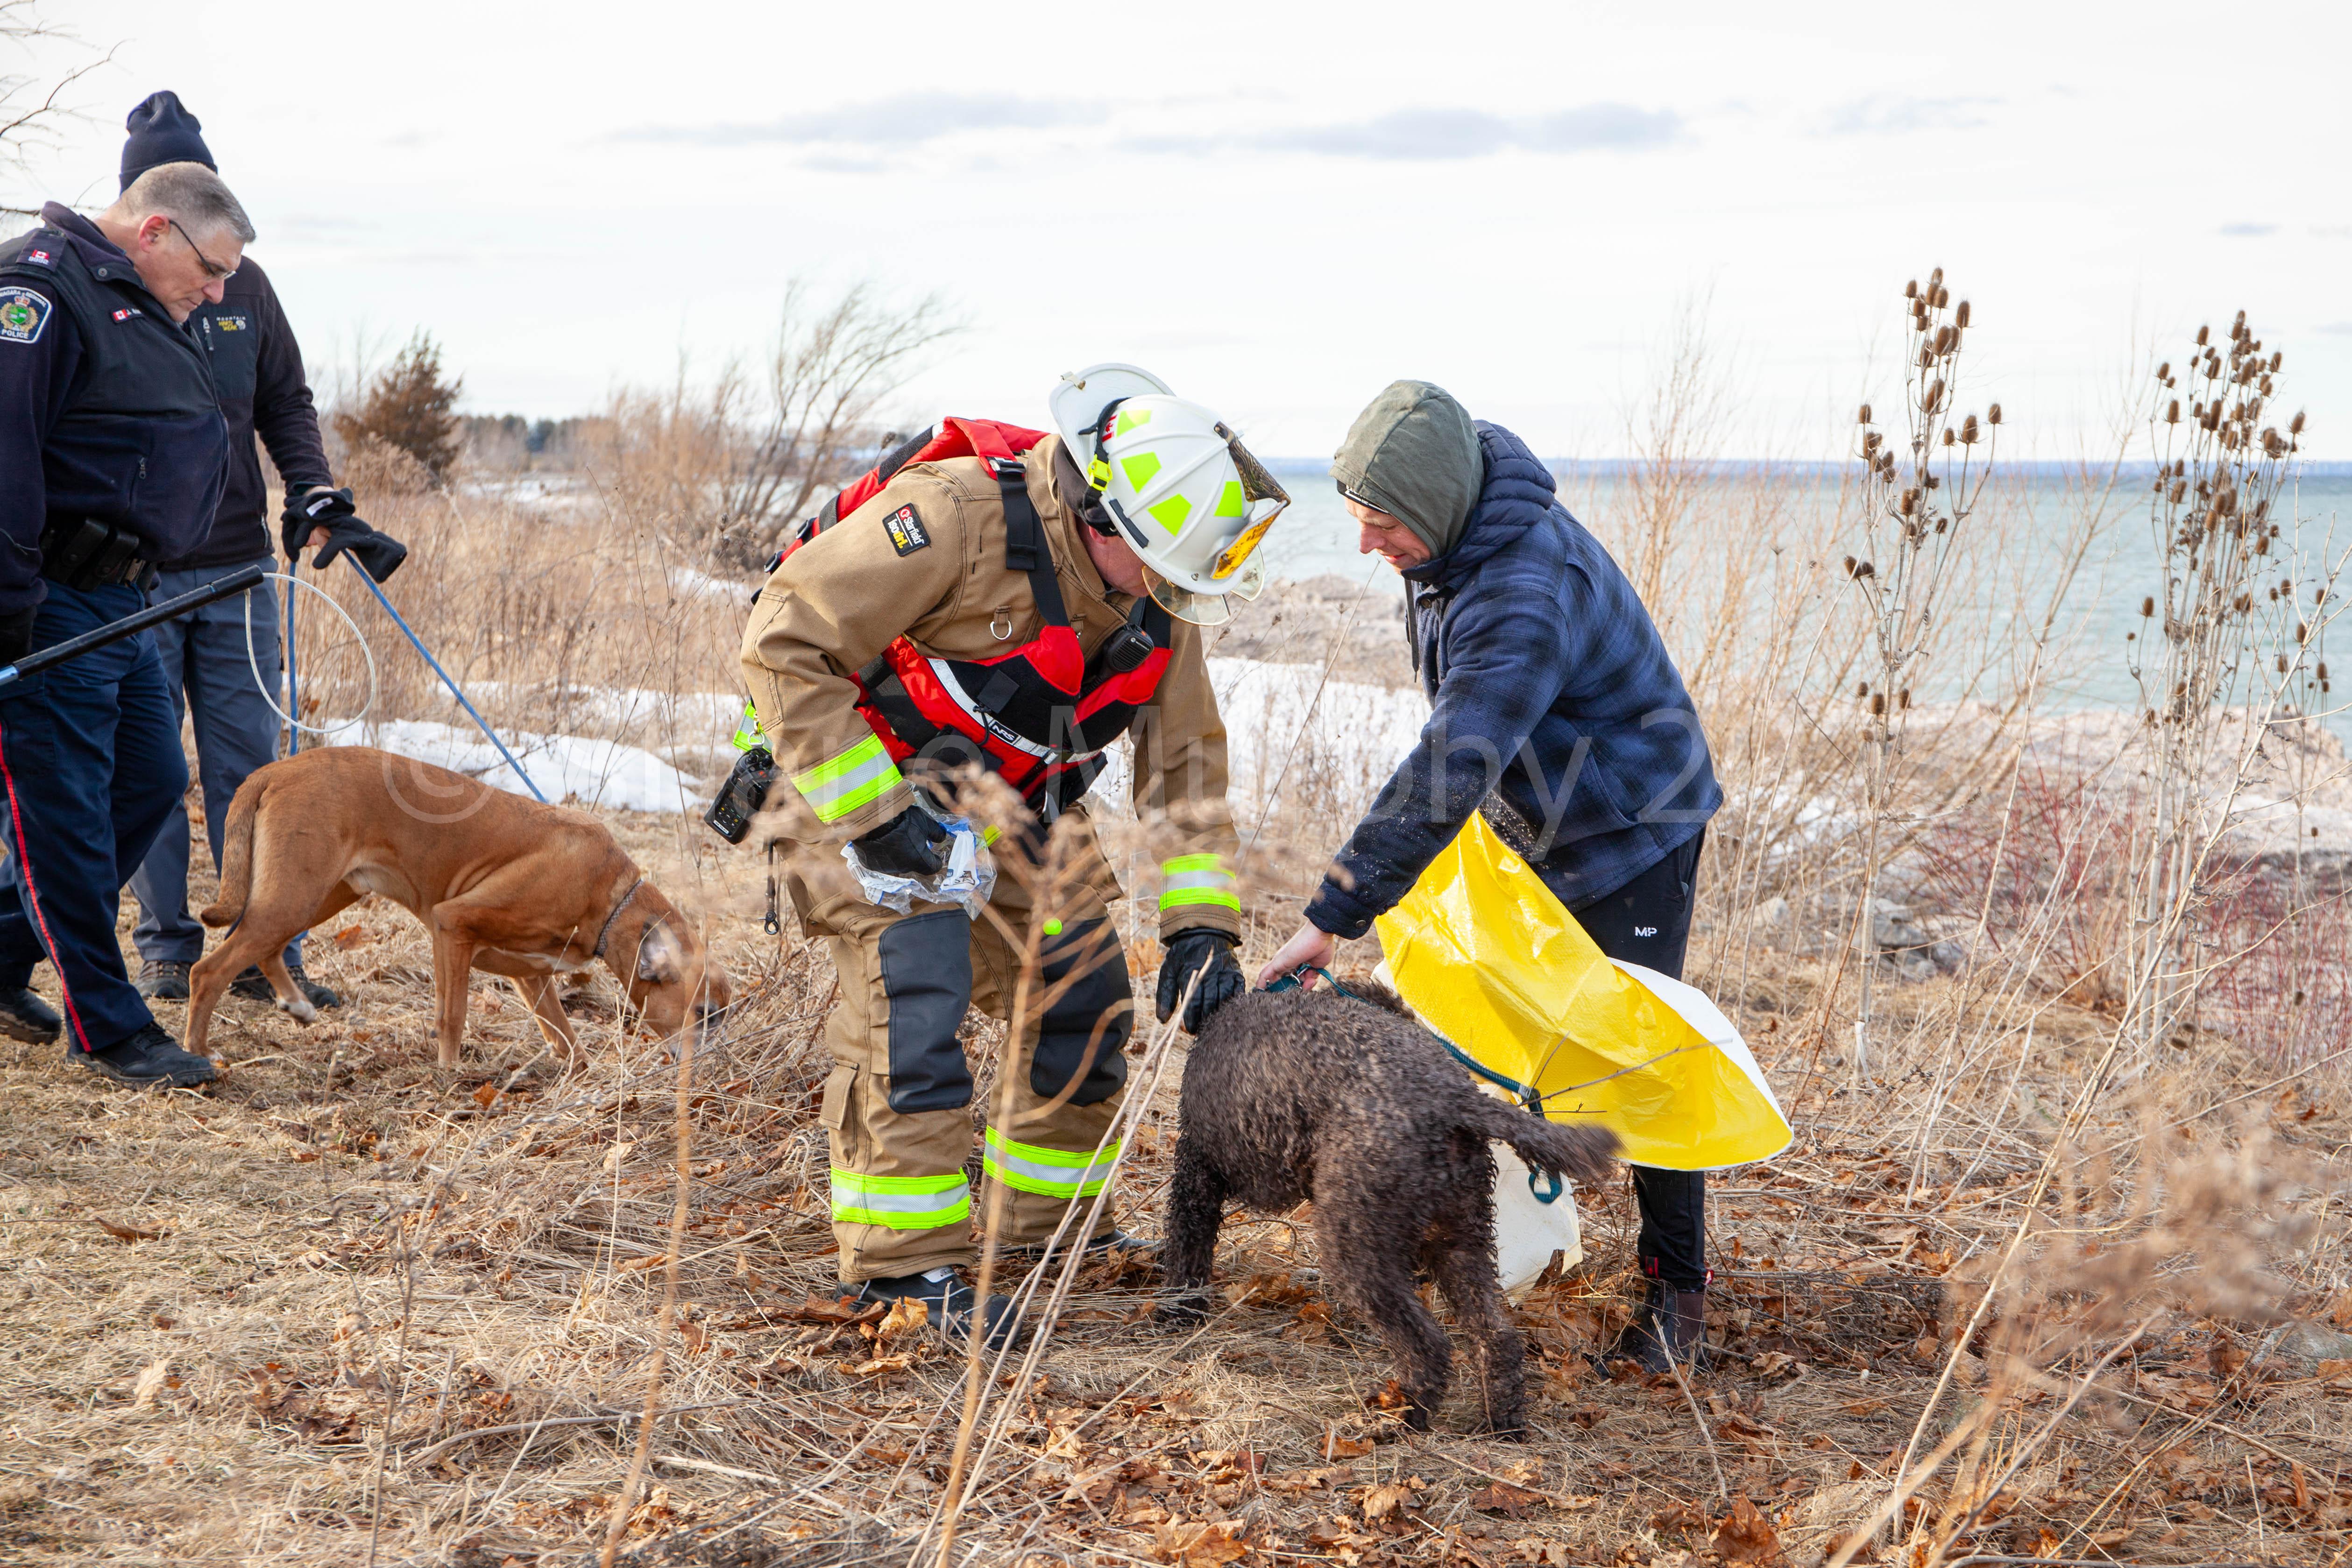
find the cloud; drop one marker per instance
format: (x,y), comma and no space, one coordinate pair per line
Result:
(1888,116)
(1444,136)
(2246,230)
(891,124)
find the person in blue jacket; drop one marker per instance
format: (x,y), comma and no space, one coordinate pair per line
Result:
(114,454)
(211,657)
(1555,711)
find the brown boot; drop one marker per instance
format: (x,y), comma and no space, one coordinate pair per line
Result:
(1676,1330)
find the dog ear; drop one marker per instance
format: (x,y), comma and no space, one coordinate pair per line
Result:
(659,960)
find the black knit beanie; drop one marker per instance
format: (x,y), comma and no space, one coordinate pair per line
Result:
(162,131)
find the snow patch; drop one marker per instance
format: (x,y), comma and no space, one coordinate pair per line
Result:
(567,768)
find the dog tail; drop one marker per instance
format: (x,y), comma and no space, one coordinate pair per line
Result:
(1579,1153)
(237,857)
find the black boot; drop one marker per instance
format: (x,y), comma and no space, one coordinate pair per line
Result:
(254,986)
(162,980)
(1679,1315)
(24,1017)
(949,1301)
(149,1058)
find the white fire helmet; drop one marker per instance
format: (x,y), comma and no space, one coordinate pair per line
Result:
(1185,494)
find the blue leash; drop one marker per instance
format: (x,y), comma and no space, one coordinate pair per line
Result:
(414,642)
(422,650)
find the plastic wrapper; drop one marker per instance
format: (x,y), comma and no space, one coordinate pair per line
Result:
(1491,961)
(968,877)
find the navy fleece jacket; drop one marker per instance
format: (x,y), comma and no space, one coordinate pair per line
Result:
(1554,709)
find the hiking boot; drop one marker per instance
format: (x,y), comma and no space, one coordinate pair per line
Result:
(949,1301)
(24,1017)
(254,986)
(149,1058)
(162,980)
(1681,1315)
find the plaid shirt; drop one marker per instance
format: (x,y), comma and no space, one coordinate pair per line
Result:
(1553,709)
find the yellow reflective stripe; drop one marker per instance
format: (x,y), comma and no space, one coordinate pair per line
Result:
(747,733)
(899,1203)
(840,784)
(1198,879)
(1050,1173)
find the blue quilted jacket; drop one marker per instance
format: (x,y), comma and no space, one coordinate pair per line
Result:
(1554,709)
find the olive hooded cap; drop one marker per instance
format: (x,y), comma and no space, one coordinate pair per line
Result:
(1413,454)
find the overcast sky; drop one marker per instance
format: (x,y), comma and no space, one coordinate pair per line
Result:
(1278,207)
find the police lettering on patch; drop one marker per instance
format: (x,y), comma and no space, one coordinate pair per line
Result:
(906,534)
(230,323)
(23,314)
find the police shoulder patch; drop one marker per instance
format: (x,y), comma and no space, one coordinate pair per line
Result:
(907,532)
(23,314)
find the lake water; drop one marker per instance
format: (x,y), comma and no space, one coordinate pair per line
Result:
(1316,536)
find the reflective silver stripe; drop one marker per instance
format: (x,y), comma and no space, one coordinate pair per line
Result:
(1219,882)
(1062,1178)
(994,727)
(900,1203)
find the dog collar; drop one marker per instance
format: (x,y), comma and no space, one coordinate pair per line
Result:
(598,952)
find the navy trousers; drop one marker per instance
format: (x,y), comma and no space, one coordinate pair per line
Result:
(89,768)
(211,679)
(1647,921)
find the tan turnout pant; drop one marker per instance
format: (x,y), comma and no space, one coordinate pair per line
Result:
(898,1106)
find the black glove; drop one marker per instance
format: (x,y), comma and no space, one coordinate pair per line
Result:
(1199,950)
(912,843)
(15,634)
(381,553)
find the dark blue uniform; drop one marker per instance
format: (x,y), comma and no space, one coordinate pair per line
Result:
(210,657)
(108,414)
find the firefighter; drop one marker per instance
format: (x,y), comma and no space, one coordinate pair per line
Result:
(1019,609)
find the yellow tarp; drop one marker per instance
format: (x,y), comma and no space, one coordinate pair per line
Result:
(1492,961)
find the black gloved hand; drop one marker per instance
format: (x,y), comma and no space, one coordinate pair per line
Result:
(15,634)
(912,843)
(381,553)
(1208,950)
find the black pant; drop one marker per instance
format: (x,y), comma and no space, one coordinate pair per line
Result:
(1647,921)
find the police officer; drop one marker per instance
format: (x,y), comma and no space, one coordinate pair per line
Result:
(208,664)
(115,453)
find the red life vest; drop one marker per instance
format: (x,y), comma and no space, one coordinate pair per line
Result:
(1041,716)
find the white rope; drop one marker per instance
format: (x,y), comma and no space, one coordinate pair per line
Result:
(253,660)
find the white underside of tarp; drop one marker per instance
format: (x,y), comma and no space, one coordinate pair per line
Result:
(1699,1011)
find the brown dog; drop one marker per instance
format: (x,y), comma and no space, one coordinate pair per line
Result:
(506,885)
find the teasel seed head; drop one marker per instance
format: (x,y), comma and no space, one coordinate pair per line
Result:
(1993,415)
(2238,327)
(2282,664)
(1935,278)
(2278,357)
(1865,569)
(1864,417)
(1903,698)
(2204,335)
(1877,704)
(2294,426)
(2172,412)
(2147,606)
(1948,437)
(2164,370)
(2302,632)
(1935,398)
(2322,669)
(1911,289)
(1862,690)
(1969,431)
(1961,314)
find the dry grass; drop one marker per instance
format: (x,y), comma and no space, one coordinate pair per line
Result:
(2026,1293)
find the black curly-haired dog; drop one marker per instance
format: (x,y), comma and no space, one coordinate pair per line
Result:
(1351,1103)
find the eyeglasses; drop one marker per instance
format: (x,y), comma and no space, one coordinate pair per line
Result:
(213,270)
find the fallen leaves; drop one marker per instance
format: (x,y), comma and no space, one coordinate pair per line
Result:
(1746,1535)
(881,1365)
(149,1383)
(125,1233)
(1207,1544)
(1388,1498)
(1503,1498)
(1337,1447)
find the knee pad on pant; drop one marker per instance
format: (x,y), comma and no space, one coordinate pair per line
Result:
(1101,997)
(926,962)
